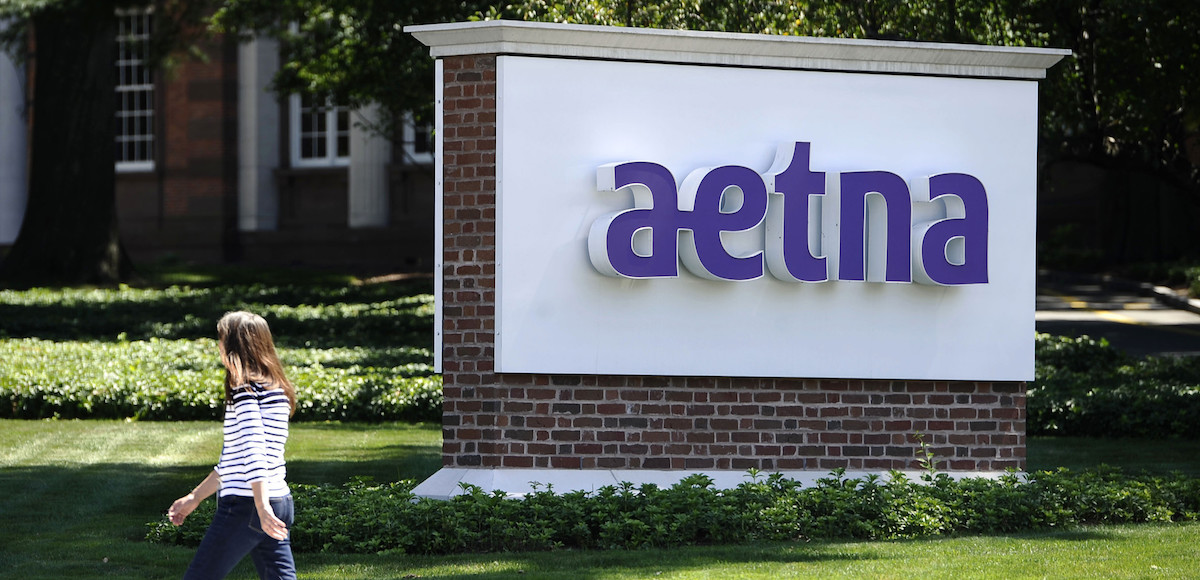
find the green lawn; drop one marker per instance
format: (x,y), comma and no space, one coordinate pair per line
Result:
(76,496)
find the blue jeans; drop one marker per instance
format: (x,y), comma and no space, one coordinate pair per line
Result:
(235,532)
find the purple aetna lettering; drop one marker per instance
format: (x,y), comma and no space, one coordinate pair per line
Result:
(852,259)
(707,220)
(870,220)
(611,240)
(967,219)
(789,256)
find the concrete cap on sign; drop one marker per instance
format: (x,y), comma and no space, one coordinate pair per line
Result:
(735,49)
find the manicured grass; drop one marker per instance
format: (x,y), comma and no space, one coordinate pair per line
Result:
(78,492)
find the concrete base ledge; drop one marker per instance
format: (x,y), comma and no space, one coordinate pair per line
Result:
(445,484)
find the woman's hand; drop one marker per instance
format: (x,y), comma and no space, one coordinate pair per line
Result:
(271,525)
(182,507)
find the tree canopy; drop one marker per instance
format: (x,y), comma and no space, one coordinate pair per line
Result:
(1130,95)
(354,52)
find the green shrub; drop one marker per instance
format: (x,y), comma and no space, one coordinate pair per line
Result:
(299,315)
(1084,387)
(355,353)
(181,380)
(364,518)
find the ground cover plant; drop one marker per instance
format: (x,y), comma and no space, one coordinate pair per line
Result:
(355,351)
(160,379)
(363,518)
(1085,387)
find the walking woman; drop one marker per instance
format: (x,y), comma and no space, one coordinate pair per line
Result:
(254,506)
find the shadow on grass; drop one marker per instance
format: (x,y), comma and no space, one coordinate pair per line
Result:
(91,521)
(380,465)
(386,452)
(1155,456)
(59,505)
(392,463)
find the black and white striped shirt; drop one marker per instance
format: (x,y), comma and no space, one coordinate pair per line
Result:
(256,429)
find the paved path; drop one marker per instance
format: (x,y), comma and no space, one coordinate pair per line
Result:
(1131,320)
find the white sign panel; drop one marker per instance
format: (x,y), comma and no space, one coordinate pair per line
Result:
(661,219)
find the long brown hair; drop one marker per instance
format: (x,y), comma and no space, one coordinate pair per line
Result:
(248,353)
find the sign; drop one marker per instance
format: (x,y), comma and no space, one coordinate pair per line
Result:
(673,219)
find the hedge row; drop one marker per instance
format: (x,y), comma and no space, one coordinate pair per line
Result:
(1085,387)
(298,315)
(364,518)
(181,380)
(355,353)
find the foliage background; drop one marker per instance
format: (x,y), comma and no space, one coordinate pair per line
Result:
(1127,101)
(1086,388)
(1130,94)
(355,352)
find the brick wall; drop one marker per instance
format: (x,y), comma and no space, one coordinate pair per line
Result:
(199,153)
(495,420)
(188,205)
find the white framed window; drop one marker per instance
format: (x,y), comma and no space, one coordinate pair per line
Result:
(418,141)
(320,133)
(135,92)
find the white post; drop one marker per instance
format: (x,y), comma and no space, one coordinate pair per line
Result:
(258,136)
(13,148)
(370,154)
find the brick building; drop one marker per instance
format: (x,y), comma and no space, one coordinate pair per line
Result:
(213,167)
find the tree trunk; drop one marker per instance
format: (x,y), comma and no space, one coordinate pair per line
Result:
(69,235)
